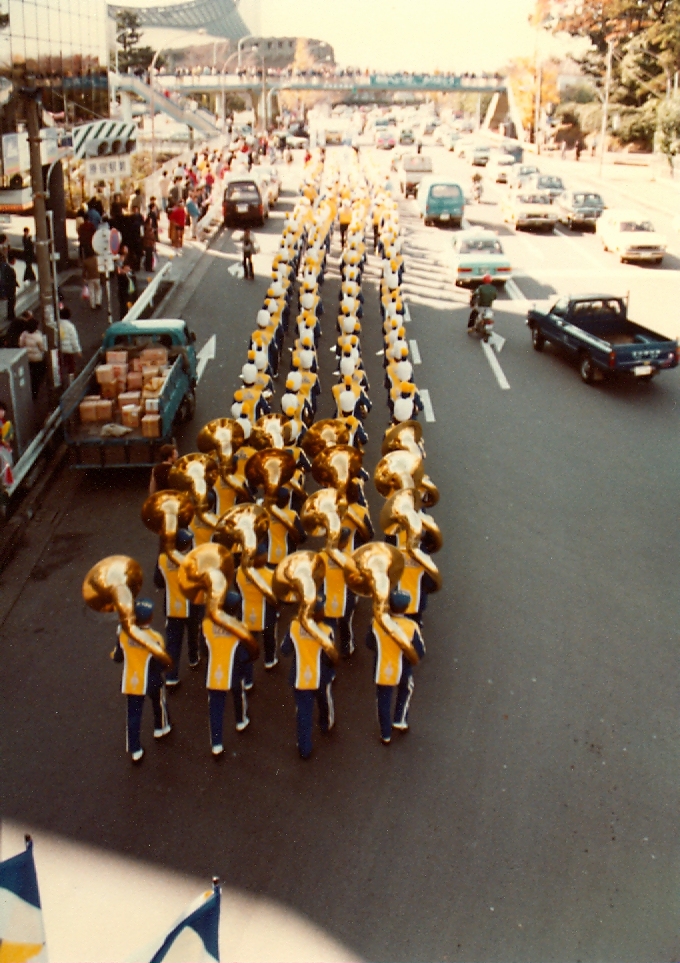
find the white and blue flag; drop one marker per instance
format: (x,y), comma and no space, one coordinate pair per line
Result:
(194,938)
(22,935)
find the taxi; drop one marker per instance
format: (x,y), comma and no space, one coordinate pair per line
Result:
(527,208)
(476,253)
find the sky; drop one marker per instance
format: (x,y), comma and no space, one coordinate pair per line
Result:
(456,35)
(413,35)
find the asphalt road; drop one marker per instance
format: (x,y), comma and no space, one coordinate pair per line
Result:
(531,812)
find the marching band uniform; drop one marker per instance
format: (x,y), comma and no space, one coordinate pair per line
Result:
(258,613)
(311,676)
(142,676)
(393,671)
(180,614)
(229,663)
(339,604)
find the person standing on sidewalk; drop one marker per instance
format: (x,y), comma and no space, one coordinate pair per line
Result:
(36,349)
(177,218)
(149,243)
(164,187)
(11,284)
(194,212)
(69,345)
(29,255)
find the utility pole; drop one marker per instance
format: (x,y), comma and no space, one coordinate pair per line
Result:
(30,96)
(537,105)
(605,105)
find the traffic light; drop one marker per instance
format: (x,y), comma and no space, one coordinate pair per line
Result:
(108,146)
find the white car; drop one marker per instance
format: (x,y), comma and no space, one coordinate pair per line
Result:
(499,165)
(631,236)
(476,253)
(525,208)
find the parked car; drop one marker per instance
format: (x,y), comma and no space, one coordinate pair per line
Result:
(630,235)
(475,253)
(245,202)
(441,200)
(498,166)
(525,208)
(521,173)
(548,184)
(407,137)
(579,208)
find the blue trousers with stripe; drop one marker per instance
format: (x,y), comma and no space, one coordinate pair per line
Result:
(384,695)
(135,706)
(216,702)
(304,704)
(174,635)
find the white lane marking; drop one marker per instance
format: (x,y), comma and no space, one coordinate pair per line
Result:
(495,367)
(415,352)
(496,341)
(513,290)
(207,353)
(407,313)
(427,404)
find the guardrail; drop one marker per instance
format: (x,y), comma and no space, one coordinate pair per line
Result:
(67,405)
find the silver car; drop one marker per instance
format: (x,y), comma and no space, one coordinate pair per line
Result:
(579,208)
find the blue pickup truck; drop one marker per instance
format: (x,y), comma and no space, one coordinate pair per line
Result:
(596,330)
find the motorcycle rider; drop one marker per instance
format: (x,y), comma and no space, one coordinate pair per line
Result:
(477,186)
(483,297)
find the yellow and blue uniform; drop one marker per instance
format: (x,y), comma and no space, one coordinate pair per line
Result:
(259,615)
(279,540)
(142,676)
(180,614)
(339,604)
(356,514)
(311,676)
(416,581)
(392,670)
(228,662)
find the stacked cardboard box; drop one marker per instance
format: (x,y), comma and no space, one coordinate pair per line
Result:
(129,387)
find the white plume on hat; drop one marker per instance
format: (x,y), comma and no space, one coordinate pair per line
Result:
(347,364)
(294,381)
(261,360)
(404,370)
(289,404)
(245,424)
(306,358)
(307,300)
(236,409)
(249,373)
(347,401)
(263,318)
(403,409)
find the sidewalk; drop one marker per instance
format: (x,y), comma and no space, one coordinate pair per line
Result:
(91,325)
(636,179)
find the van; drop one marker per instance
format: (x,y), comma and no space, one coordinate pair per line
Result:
(440,199)
(245,202)
(412,169)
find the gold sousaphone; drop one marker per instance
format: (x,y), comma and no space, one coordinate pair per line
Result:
(297,578)
(209,569)
(164,513)
(112,585)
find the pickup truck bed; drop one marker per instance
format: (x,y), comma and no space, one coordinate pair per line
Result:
(597,331)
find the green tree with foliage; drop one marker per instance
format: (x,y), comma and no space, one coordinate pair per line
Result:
(668,129)
(128,34)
